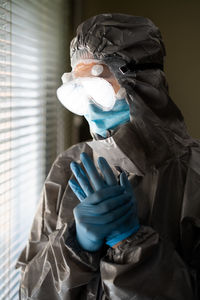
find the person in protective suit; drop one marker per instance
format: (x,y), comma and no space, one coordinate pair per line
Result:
(119,216)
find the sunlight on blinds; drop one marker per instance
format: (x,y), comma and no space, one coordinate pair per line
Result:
(31,63)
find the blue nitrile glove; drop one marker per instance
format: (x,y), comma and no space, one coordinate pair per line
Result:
(132,224)
(106,209)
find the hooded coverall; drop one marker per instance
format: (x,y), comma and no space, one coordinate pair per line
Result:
(161,260)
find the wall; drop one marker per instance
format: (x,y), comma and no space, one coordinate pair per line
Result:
(179,22)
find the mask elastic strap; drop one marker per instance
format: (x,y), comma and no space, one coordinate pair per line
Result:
(132,66)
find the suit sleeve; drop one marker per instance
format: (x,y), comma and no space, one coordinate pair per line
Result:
(147,267)
(50,269)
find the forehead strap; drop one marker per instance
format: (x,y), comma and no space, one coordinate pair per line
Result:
(132,66)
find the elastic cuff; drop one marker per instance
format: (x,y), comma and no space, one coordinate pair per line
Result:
(122,236)
(145,240)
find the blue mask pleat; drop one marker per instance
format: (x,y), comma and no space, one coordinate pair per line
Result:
(100,121)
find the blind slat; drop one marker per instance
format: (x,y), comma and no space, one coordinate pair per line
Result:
(31,63)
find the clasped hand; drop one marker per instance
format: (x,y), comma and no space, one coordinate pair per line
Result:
(107,211)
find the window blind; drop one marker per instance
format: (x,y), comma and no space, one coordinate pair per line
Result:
(33,124)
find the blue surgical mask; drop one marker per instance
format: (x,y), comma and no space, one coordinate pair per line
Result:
(100,121)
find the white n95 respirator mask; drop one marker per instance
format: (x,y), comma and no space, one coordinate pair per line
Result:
(77,93)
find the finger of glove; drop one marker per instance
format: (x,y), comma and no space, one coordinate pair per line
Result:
(93,232)
(92,172)
(122,225)
(126,184)
(107,172)
(89,239)
(128,188)
(107,218)
(119,225)
(81,178)
(77,190)
(106,206)
(103,194)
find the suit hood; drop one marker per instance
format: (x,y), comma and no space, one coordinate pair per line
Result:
(133,48)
